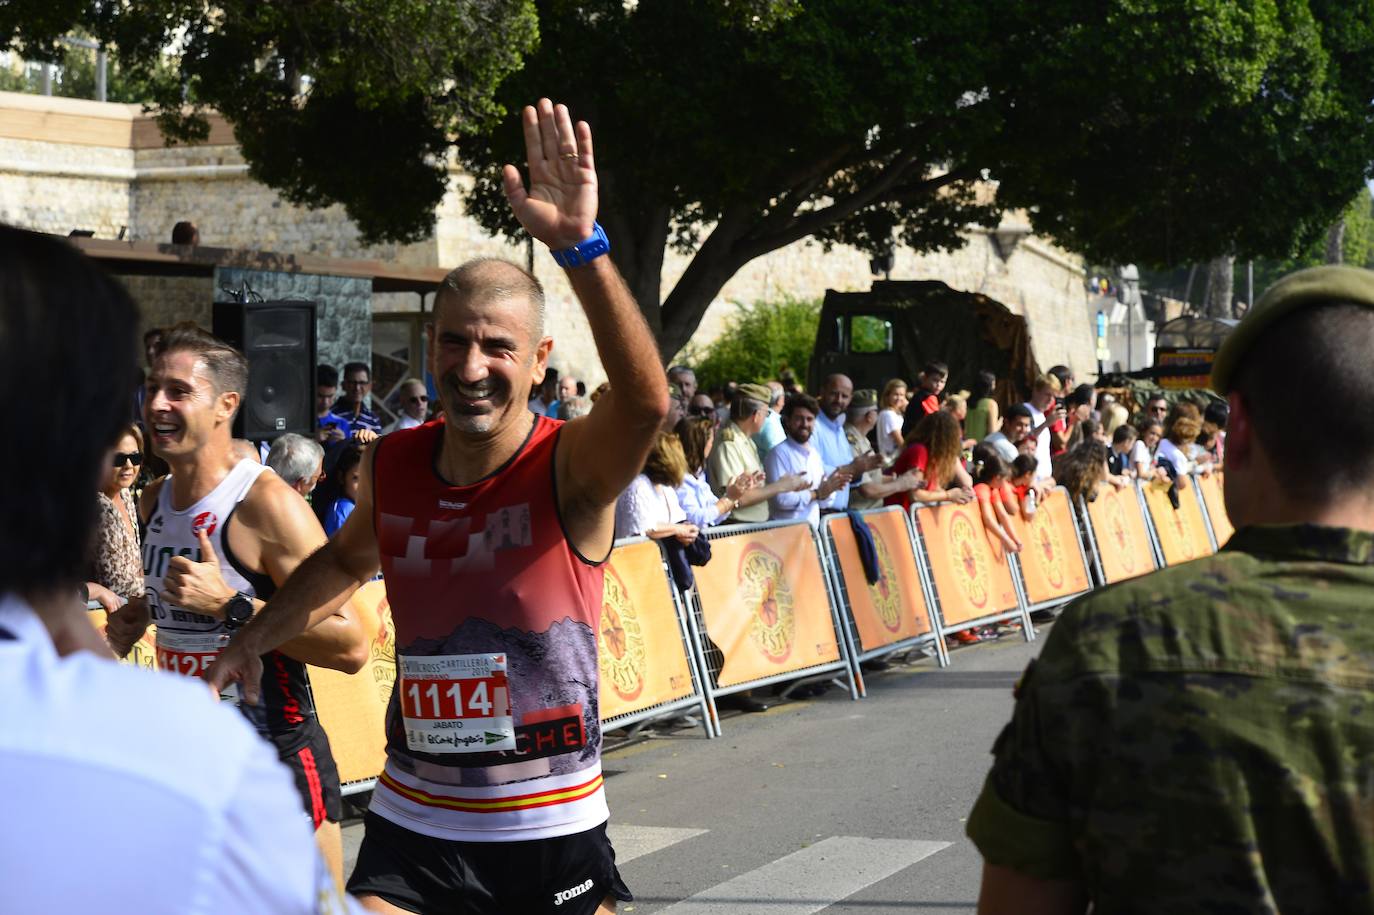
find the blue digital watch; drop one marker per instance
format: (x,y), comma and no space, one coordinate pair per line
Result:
(589,249)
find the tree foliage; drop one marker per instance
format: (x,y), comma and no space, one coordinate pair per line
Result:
(350,101)
(1148,131)
(758,342)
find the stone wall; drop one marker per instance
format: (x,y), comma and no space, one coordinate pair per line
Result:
(51,182)
(167,300)
(343,314)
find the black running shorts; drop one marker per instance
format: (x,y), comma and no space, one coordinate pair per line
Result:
(567,875)
(317,779)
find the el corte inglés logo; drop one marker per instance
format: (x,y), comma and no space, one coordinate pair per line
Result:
(773,622)
(622,640)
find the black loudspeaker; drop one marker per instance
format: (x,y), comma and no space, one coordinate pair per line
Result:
(278,339)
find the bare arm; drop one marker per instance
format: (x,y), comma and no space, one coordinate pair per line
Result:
(1007,892)
(884,488)
(315,590)
(601,453)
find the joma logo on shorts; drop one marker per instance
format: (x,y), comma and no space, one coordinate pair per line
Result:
(564,895)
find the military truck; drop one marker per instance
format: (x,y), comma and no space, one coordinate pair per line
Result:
(898,326)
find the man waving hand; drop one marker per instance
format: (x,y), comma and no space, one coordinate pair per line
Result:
(491,525)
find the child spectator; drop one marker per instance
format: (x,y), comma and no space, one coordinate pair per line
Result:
(1119,460)
(990,474)
(1022,483)
(348,473)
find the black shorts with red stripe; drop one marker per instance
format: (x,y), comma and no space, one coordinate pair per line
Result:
(317,778)
(564,875)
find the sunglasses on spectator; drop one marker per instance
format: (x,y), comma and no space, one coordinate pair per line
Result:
(133,457)
(702,411)
(418,398)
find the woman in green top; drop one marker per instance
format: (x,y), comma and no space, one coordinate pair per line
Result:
(983,416)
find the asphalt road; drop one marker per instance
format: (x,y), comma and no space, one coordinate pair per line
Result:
(819,805)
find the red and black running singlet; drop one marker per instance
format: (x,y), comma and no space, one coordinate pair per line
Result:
(493,731)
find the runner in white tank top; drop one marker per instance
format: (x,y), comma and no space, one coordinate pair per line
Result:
(222,533)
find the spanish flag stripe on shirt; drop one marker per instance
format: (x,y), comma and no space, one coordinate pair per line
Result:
(495,805)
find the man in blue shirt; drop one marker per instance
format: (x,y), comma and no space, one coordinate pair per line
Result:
(352,406)
(331,426)
(830,440)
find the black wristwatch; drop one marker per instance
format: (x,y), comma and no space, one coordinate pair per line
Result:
(238,611)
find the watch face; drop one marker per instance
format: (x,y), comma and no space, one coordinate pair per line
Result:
(239,611)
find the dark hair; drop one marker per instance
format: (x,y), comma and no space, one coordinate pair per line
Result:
(1016,411)
(1024,464)
(150,334)
(326,376)
(87,368)
(227,368)
(1082,468)
(1123,434)
(1218,413)
(1147,424)
(185,233)
(693,431)
(1062,372)
(983,384)
(1081,395)
(803,402)
(350,457)
(988,464)
(936,368)
(352,367)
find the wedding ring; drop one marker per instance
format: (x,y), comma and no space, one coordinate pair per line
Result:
(568,156)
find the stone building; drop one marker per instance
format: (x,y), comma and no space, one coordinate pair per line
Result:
(102,167)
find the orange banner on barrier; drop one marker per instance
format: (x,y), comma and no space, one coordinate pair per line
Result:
(1212,487)
(1123,540)
(352,707)
(894,608)
(972,577)
(1052,563)
(642,657)
(1181,531)
(765,604)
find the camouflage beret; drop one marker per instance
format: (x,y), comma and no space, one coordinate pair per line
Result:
(1313,286)
(863,399)
(760,392)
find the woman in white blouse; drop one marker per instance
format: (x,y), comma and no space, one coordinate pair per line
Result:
(649,506)
(698,436)
(889,433)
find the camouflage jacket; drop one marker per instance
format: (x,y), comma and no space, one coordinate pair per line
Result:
(1202,739)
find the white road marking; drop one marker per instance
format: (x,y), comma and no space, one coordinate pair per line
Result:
(632,842)
(809,880)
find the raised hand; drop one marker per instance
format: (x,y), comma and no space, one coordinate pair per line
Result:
(560,205)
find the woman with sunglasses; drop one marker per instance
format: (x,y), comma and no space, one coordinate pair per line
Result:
(118,564)
(414,397)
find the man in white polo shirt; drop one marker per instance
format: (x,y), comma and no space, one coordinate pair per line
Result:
(796,455)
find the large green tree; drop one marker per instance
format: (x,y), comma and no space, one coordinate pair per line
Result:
(1150,131)
(356,102)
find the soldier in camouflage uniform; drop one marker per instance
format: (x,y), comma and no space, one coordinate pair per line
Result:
(1202,739)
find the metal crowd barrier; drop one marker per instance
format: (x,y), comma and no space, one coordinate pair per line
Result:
(746,605)
(894,614)
(968,594)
